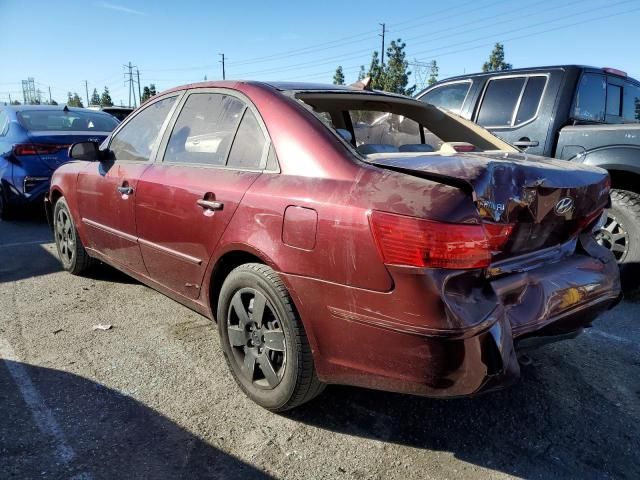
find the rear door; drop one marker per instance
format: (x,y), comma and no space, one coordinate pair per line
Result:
(509,108)
(106,190)
(215,149)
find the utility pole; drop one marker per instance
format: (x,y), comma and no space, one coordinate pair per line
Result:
(222,61)
(50,101)
(384,29)
(139,94)
(10,101)
(132,91)
(86,90)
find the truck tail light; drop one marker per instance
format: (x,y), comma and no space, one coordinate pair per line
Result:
(37,149)
(416,242)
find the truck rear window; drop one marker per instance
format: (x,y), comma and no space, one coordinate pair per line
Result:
(590,98)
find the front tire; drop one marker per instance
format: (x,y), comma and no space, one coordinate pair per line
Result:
(264,341)
(621,234)
(71,251)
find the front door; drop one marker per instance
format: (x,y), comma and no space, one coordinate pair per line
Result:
(214,152)
(106,191)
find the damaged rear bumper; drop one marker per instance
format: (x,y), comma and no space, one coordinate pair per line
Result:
(452,333)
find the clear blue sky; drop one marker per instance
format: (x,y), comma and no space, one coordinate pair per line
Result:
(63,43)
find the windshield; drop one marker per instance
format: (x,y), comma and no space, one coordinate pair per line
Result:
(374,124)
(61,121)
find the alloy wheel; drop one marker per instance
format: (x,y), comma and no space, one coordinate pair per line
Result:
(257,339)
(65,236)
(614,236)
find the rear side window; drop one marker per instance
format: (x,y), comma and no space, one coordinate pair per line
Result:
(589,103)
(499,102)
(631,103)
(614,100)
(530,99)
(204,130)
(450,97)
(248,146)
(138,138)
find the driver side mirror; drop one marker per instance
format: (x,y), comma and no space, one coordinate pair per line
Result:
(88,151)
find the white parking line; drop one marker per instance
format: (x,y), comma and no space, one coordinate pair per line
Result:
(42,415)
(20,244)
(615,338)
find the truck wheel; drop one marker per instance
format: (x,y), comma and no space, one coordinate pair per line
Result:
(621,234)
(263,339)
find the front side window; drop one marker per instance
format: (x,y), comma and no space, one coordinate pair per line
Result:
(4,124)
(205,129)
(139,137)
(450,97)
(631,103)
(500,101)
(590,98)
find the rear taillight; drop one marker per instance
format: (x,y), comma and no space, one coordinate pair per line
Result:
(416,242)
(497,235)
(37,149)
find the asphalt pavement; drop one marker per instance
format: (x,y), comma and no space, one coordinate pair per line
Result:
(151,397)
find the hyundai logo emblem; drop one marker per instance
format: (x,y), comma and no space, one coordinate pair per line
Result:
(565,205)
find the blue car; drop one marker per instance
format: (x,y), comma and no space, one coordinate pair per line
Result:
(34,141)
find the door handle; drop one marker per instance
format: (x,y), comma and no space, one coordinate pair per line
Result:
(210,204)
(125,190)
(526,143)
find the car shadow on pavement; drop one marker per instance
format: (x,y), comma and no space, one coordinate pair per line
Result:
(97,433)
(526,430)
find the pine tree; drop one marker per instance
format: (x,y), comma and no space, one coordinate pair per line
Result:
(433,73)
(395,77)
(496,60)
(74,100)
(105,98)
(95,98)
(376,72)
(361,74)
(152,89)
(146,94)
(338,77)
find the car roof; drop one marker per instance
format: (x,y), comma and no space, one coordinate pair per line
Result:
(24,108)
(283,87)
(523,70)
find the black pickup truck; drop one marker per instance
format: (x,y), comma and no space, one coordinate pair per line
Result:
(576,113)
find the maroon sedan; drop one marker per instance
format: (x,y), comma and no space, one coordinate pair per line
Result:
(340,235)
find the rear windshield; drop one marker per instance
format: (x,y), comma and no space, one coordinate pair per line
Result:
(377,124)
(61,121)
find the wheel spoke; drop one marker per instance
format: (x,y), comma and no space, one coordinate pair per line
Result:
(274,340)
(616,247)
(618,236)
(249,364)
(611,227)
(241,312)
(259,302)
(237,336)
(267,369)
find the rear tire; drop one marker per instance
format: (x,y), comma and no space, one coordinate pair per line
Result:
(71,251)
(621,234)
(5,209)
(264,341)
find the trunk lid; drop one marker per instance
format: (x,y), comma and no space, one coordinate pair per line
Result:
(56,158)
(546,200)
